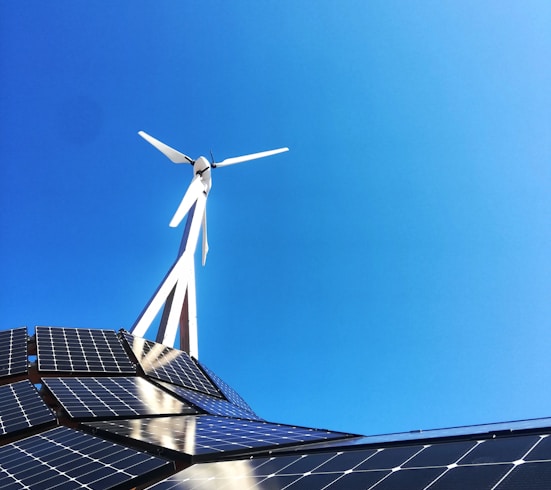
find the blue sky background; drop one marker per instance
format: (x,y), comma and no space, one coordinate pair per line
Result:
(392,272)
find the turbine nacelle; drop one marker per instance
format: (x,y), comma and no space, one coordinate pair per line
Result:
(202,167)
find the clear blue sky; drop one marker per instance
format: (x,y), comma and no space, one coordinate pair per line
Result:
(392,272)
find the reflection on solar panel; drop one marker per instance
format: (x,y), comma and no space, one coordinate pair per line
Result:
(168,364)
(13,352)
(210,404)
(207,434)
(68,459)
(227,390)
(450,466)
(21,407)
(81,351)
(113,397)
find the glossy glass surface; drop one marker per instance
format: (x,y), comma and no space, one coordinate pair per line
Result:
(168,364)
(210,404)
(113,397)
(206,434)
(396,468)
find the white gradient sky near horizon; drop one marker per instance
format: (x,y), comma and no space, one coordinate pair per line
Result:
(392,272)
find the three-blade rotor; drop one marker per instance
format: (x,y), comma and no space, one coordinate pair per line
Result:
(201,182)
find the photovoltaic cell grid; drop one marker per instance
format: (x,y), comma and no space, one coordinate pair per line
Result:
(113,397)
(67,459)
(168,364)
(497,464)
(21,407)
(13,352)
(81,351)
(210,404)
(208,434)
(228,391)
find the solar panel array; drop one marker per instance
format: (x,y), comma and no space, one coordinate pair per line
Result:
(81,351)
(210,404)
(68,459)
(116,418)
(168,364)
(113,397)
(13,352)
(21,407)
(207,434)
(499,464)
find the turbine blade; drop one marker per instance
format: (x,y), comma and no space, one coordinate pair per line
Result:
(191,195)
(252,156)
(205,238)
(174,155)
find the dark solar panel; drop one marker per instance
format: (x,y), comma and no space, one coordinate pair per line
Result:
(21,407)
(81,351)
(394,468)
(541,451)
(113,397)
(528,476)
(210,404)
(483,476)
(390,458)
(168,364)
(67,459)
(227,390)
(500,450)
(441,454)
(207,434)
(13,352)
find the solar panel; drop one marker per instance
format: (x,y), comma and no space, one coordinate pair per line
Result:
(168,364)
(208,434)
(63,458)
(227,390)
(21,407)
(13,352)
(81,350)
(113,397)
(438,466)
(210,404)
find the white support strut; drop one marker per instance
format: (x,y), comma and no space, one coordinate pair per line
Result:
(181,278)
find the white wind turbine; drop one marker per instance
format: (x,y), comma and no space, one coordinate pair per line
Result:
(177,291)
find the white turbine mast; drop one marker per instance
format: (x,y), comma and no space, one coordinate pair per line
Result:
(177,290)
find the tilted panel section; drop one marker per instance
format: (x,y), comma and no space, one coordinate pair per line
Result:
(228,391)
(13,352)
(168,364)
(113,397)
(21,407)
(210,404)
(204,435)
(81,350)
(68,459)
(500,464)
